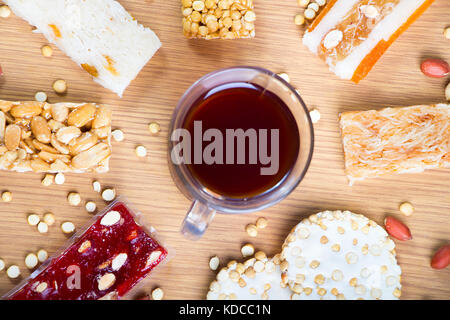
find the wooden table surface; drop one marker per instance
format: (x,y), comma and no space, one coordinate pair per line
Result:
(395,81)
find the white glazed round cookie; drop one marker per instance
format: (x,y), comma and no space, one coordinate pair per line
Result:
(340,255)
(252,280)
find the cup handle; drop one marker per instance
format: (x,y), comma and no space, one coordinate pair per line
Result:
(197,220)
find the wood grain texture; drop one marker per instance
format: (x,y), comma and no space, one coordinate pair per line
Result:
(395,81)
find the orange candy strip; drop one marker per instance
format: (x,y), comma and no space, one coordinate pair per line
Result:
(324,12)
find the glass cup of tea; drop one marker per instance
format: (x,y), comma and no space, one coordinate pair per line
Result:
(240,140)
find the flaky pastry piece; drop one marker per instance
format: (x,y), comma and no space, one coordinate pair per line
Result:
(395,140)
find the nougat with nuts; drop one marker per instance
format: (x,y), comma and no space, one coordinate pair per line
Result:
(218,19)
(62,137)
(104,262)
(352,35)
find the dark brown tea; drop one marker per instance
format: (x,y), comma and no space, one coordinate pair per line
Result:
(245,166)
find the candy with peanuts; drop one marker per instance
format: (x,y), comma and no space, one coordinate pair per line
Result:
(104,262)
(441,258)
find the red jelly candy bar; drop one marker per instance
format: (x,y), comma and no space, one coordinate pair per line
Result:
(109,259)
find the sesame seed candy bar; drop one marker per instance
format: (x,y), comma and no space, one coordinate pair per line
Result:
(218,19)
(340,255)
(62,137)
(351,35)
(395,140)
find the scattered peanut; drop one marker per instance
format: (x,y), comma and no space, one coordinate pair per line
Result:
(67,227)
(251,229)
(154,128)
(261,223)
(406,208)
(5,12)
(284,76)
(321,2)
(397,229)
(74,199)
(299,19)
(31,261)
(46,51)
(447,92)
(2,264)
(49,218)
(96,186)
(158,293)
(60,178)
(48,180)
(315,115)
(118,135)
(447,33)
(60,86)
(141,151)
(33,219)
(91,206)
(7,196)
(214,263)
(42,227)
(435,68)
(40,96)
(109,194)
(247,250)
(42,255)
(13,272)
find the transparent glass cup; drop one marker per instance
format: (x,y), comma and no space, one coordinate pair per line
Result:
(205,204)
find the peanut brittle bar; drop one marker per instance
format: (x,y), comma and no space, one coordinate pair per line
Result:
(351,35)
(99,35)
(218,19)
(62,137)
(395,140)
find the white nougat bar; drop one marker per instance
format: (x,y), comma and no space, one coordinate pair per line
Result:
(99,35)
